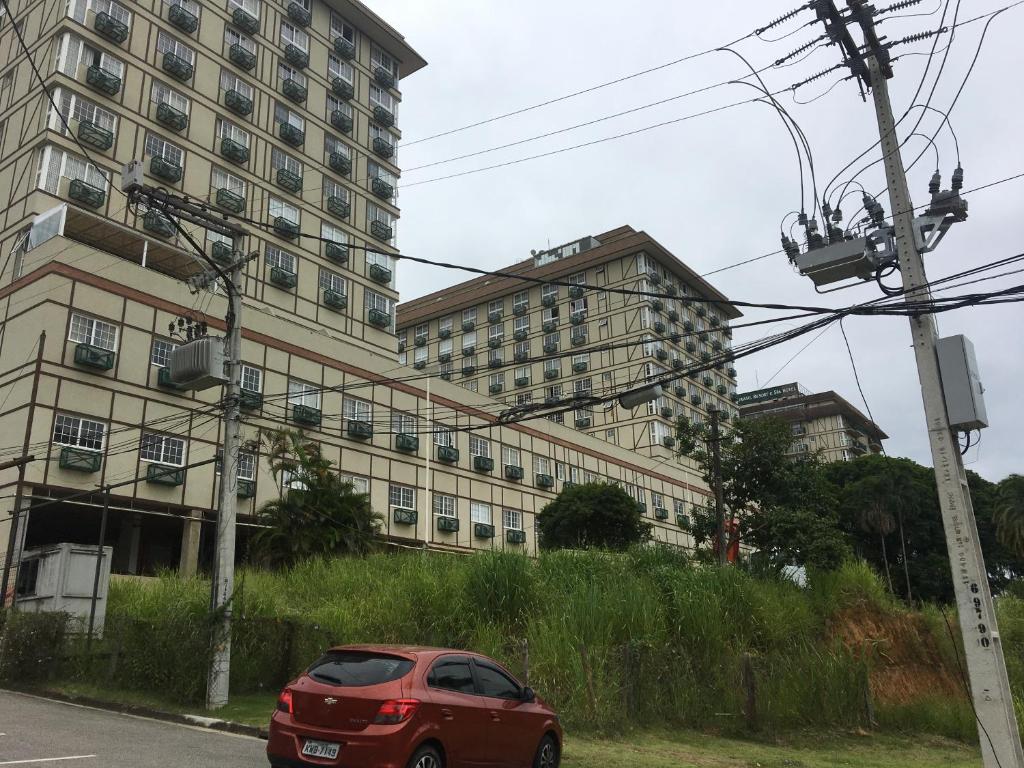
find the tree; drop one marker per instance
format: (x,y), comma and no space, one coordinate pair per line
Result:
(1009,513)
(592,516)
(782,506)
(317,512)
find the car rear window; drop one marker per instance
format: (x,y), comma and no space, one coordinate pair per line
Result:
(357,668)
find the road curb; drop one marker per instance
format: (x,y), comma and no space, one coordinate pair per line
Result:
(197,721)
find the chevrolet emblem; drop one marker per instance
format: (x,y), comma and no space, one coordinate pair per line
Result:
(328,700)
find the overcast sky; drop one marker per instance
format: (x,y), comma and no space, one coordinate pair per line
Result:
(712,189)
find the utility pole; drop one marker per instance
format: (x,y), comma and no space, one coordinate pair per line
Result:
(223,582)
(716,468)
(990,688)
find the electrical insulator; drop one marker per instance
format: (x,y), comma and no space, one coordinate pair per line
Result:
(791,248)
(802,219)
(814,238)
(826,211)
(837,215)
(935,184)
(958,178)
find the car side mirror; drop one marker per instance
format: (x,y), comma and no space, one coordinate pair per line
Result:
(529,694)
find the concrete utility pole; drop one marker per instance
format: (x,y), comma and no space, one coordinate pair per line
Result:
(716,468)
(223,582)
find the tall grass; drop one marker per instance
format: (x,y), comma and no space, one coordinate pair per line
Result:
(612,640)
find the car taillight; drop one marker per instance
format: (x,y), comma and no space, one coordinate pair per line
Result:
(396,711)
(284,701)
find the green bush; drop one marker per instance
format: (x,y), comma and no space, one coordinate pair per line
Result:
(31,646)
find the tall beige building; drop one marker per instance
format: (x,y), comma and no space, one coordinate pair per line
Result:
(528,343)
(822,423)
(285,113)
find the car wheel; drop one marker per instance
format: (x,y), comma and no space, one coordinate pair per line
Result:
(425,757)
(547,754)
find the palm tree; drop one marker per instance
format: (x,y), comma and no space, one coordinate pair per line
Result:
(872,511)
(1009,513)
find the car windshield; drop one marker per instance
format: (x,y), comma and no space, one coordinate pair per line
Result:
(357,668)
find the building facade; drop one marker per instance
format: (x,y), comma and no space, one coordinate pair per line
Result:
(525,343)
(283,113)
(823,424)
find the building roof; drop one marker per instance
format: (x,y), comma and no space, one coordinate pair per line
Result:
(805,407)
(386,36)
(614,244)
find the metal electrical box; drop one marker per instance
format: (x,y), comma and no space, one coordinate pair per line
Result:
(199,364)
(961,384)
(60,577)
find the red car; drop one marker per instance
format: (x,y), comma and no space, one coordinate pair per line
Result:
(407,707)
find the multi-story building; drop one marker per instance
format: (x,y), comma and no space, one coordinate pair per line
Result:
(282,113)
(823,424)
(524,341)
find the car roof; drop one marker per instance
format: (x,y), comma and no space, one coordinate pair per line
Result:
(414,651)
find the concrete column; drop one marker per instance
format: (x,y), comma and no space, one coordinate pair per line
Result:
(192,526)
(128,543)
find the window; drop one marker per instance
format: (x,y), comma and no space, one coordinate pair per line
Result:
(353,409)
(495,683)
(74,107)
(521,324)
(281,259)
(578,334)
(657,500)
(452,674)
(338,68)
(379,58)
(553,365)
(469,339)
(331,281)
(522,350)
(162,93)
(513,519)
(282,160)
(578,307)
(469,315)
(548,291)
(444,505)
(229,81)
(420,355)
(382,260)
(542,465)
(377,132)
(403,423)
(580,278)
(282,114)
(378,171)
(379,302)
(96,333)
(75,52)
(77,10)
(292,35)
(287,72)
(479,446)
(496,380)
(498,305)
(521,301)
(401,496)
(252,378)
(160,354)
(334,189)
(360,484)
(583,387)
(375,213)
(246,466)
(280,208)
(221,179)
(444,324)
(551,341)
(553,393)
(612,436)
(78,432)
(510,456)
(303,393)
(252,7)
(496,332)
(56,164)
(444,436)
(422,333)
(334,104)
(679,506)
(380,97)
(228,130)
(523,374)
(163,449)
(549,314)
(167,44)
(524,398)
(480,512)
(444,347)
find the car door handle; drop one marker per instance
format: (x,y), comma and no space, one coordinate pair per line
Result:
(495,716)
(447,713)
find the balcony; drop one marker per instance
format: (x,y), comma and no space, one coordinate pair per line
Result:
(668,441)
(337,252)
(294,90)
(661,513)
(514,536)
(521,357)
(666,412)
(512,472)
(444,357)
(282,278)
(288,180)
(549,326)
(483,530)
(233,151)
(447,454)
(721,389)
(103,81)
(683,521)
(383,148)
(468,369)
(296,56)
(345,48)
(705,357)
(384,76)
(158,224)
(292,135)
(407,443)
(245,21)
(701,310)
(680,391)
(707,381)
(657,305)
(80,460)
(335,300)
(286,228)
(298,13)
(177,67)
(731,372)
(383,116)
(242,57)
(580,367)
(420,365)
(582,422)
(495,363)
(379,318)
(659,327)
(341,163)
(86,194)
(359,430)
(245,489)
(552,373)
(444,333)
(550,300)
(380,274)
(695,398)
(163,474)
(305,415)
(237,103)
(579,341)
(576,292)
(520,309)
(483,464)
(496,389)
(382,189)
(380,230)
(495,343)
(672,315)
(343,89)
(691,347)
(661,354)
(173,118)
(229,201)
(95,136)
(545,481)
(184,20)
(403,516)
(522,381)
(521,335)
(550,348)
(165,169)
(341,121)
(447,524)
(716,345)
(688,326)
(163,379)
(222,253)
(677,363)
(110,28)
(339,206)
(248,400)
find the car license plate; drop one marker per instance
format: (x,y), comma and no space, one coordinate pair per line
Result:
(324,749)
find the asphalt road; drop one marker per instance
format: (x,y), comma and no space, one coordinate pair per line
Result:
(36,731)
